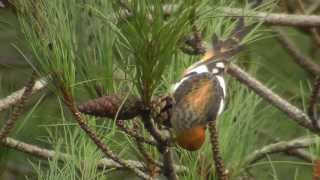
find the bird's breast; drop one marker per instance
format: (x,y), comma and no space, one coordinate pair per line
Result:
(191,139)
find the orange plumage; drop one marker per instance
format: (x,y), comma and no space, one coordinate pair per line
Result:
(197,102)
(199,96)
(191,139)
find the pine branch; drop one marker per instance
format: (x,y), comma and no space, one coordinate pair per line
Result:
(313,31)
(9,124)
(299,153)
(163,145)
(222,172)
(304,61)
(151,164)
(313,102)
(282,146)
(131,133)
(279,19)
(47,154)
(68,99)
(168,164)
(15,97)
(302,154)
(292,111)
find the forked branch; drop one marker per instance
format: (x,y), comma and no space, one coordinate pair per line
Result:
(15,97)
(282,146)
(163,145)
(313,103)
(304,61)
(48,154)
(9,124)
(68,99)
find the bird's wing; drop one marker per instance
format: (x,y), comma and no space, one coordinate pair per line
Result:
(197,101)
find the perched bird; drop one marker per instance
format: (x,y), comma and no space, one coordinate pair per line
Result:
(200,95)
(199,99)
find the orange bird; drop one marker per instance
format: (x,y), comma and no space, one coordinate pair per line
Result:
(200,95)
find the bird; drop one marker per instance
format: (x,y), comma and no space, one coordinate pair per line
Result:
(199,97)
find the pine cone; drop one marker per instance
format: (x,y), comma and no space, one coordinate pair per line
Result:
(161,110)
(108,106)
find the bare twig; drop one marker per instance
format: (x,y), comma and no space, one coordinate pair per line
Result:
(313,31)
(313,102)
(304,61)
(13,98)
(68,99)
(163,145)
(292,111)
(315,36)
(149,160)
(9,124)
(130,132)
(169,169)
(282,146)
(313,7)
(300,153)
(152,165)
(277,18)
(280,19)
(47,154)
(301,6)
(221,171)
(151,127)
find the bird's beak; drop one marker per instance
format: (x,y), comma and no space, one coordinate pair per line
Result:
(207,56)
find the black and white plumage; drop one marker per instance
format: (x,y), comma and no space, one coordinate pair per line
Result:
(200,95)
(199,98)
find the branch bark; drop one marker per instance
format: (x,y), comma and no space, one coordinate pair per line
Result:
(221,171)
(47,154)
(9,124)
(13,98)
(163,145)
(304,61)
(131,133)
(313,102)
(302,154)
(70,103)
(299,153)
(280,19)
(282,146)
(292,111)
